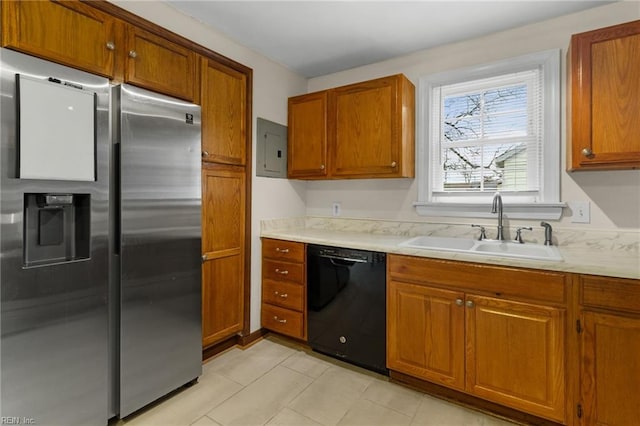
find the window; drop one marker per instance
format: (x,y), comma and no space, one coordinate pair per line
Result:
(491,128)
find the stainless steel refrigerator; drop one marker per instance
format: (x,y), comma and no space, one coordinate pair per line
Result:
(99,245)
(157,244)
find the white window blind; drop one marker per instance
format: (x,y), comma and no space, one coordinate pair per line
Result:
(488,134)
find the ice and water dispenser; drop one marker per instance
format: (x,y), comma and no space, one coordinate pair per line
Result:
(57,228)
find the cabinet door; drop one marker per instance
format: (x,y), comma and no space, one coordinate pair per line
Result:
(223,241)
(224,100)
(604,89)
(157,64)
(515,355)
(67,32)
(307,136)
(610,370)
(425,333)
(366,129)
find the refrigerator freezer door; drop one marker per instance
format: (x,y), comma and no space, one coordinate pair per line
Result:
(160,198)
(53,317)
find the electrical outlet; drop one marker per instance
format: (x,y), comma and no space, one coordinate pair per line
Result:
(581,211)
(336,209)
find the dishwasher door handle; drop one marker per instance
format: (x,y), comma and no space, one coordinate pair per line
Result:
(346,259)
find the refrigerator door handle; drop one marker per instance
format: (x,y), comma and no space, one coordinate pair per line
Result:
(117,232)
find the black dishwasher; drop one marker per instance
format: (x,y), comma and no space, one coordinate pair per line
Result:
(346,301)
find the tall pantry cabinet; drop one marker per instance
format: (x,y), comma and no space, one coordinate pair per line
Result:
(101,38)
(225,197)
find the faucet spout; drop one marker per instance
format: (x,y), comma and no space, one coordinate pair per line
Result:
(496,207)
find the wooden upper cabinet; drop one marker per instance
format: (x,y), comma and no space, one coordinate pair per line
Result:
(604,92)
(516,355)
(371,129)
(307,136)
(158,64)
(223,100)
(68,32)
(363,130)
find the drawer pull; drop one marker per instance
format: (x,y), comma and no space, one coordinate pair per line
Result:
(282,295)
(281,321)
(279,250)
(282,272)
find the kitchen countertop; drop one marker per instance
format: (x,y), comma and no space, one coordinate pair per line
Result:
(606,253)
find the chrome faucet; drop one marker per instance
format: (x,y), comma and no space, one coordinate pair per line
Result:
(497,208)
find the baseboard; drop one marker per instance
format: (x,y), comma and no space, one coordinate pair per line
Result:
(469,401)
(242,341)
(252,337)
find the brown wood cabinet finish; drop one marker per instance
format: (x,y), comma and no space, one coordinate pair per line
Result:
(223,242)
(363,130)
(516,355)
(425,332)
(610,342)
(371,129)
(603,102)
(284,296)
(307,136)
(158,64)
(68,32)
(454,324)
(223,99)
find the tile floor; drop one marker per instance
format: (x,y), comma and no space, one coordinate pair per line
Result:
(275,383)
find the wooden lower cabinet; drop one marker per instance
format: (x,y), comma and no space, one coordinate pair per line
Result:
(610,358)
(284,295)
(516,354)
(511,352)
(223,242)
(426,333)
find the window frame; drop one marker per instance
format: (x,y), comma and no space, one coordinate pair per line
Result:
(477,205)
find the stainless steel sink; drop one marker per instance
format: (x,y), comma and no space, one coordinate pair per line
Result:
(485,247)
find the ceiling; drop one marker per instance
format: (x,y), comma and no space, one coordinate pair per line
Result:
(315,38)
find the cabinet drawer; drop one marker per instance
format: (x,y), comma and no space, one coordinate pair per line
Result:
(283,271)
(282,320)
(497,280)
(284,250)
(612,293)
(284,294)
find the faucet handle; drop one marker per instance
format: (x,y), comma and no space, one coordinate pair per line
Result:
(483,234)
(519,233)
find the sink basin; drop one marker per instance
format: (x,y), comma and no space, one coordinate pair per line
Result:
(440,243)
(514,249)
(485,247)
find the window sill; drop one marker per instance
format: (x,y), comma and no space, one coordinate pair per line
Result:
(547,211)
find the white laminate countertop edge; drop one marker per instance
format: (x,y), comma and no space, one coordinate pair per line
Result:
(580,260)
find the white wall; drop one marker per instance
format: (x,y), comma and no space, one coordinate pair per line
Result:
(272,85)
(614,195)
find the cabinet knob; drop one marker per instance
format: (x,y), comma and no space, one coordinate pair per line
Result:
(205,154)
(470,304)
(393,164)
(279,250)
(282,321)
(587,152)
(282,271)
(459,302)
(111,45)
(133,54)
(282,295)
(204,258)
(321,166)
